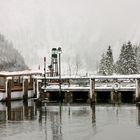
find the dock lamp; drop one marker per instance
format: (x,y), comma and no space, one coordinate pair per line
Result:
(59,54)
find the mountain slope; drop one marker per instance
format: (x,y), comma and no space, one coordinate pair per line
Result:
(10,58)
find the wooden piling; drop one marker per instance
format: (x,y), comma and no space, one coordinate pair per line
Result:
(92,91)
(35,87)
(9,85)
(8,89)
(25,89)
(68,97)
(38,88)
(137,90)
(115,97)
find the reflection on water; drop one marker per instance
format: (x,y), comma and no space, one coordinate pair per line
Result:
(69,122)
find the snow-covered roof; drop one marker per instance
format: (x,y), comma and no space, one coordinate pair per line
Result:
(18,73)
(133,76)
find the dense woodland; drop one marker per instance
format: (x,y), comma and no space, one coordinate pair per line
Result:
(127,63)
(10,58)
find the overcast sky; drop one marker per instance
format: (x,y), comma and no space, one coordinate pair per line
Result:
(83,28)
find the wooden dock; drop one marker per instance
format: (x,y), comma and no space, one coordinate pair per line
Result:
(17,85)
(113,88)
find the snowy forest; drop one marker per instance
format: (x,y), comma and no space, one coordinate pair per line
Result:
(10,58)
(128,61)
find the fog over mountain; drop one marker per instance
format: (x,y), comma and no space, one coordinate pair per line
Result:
(83,28)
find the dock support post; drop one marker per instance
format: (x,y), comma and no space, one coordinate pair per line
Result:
(25,89)
(137,90)
(38,88)
(68,97)
(71,97)
(88,100)
(115,97)
(92,91)
(8,89)
(35,87)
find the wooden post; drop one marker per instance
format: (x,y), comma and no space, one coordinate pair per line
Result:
(48,96)
(25,89)
(112,97)
(68,97)
(88,100)
(38,88)
(35,87)
(137,90)
(8,88)
(92,91)
(115,97)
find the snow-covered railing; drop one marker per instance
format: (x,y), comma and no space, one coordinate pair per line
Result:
(99,87)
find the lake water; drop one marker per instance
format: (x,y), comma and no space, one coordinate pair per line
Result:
(69,122)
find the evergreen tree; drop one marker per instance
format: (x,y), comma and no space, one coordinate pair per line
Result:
(109,61)
(137,54)
(106,63)
(102,65)
(127,60)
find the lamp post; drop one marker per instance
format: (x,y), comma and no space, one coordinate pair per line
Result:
(59,53)
(54,61)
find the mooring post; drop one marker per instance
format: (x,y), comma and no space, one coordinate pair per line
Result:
(35,87)
(25,88)
(92,91)
(38,88)
(119,97)
(8,89)
(115,94)
(68,97)
(137,90)
(115,97)
(112,96)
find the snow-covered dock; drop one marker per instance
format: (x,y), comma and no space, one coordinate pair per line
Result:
(17,85)
(114,87)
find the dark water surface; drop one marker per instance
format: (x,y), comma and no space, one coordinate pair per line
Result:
(69,122)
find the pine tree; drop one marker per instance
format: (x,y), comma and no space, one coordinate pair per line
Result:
(106,63)
(137,54)
(102,65)
(109,61)
(127,60)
